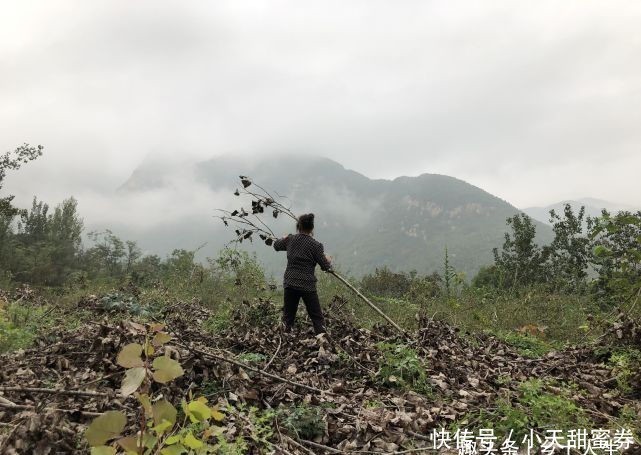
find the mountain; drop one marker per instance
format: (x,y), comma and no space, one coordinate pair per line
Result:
(404,224)
(593,208)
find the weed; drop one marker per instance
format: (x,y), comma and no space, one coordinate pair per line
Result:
(117,301)
(213,387)
(526,345)
(236,447)
(400,366)
(19,325)
(629,418)
(626,363)
(219,322)
(252,357)
(304,421)
(532,407)
(373,404)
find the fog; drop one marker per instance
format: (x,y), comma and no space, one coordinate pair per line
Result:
(533,102)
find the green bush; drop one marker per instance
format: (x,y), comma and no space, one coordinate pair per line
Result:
(626,363)
(526,345)
(304,421)
(400,366)
(532,407)
(19,325)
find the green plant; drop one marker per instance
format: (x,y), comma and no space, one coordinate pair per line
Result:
(158,431)
(626,363)
(19,324)
(400,366)
(252,357)
(520,262)
(532,406)
(629,418)
(218,322)
(118,301)
(373,404)
(527,345)
(304,421)
(617,257)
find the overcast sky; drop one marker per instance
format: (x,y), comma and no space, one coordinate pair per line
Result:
(532,101)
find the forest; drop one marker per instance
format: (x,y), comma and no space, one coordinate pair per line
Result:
(107,350)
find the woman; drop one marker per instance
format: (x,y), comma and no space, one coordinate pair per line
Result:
(303,253)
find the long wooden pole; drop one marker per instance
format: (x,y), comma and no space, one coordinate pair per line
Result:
(366,300)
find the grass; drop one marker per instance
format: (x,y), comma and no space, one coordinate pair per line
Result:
(626,363)
(532,406)
(21,322)
(527,345)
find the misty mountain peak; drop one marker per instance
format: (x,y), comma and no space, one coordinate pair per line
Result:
(359,219)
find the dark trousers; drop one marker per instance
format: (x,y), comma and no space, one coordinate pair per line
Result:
(310,298)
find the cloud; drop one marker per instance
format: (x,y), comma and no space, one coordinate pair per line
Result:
(534,102)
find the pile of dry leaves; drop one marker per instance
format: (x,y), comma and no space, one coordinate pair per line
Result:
(49,393)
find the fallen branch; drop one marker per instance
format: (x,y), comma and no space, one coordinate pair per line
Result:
(280,340)
(86,393)
(298,445)
(5,443)
(25,407)
(320,446)
(102,378)
(3,400)
(256,370)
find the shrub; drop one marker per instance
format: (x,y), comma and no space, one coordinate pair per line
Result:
(305,421)
(532,407)
(400,366)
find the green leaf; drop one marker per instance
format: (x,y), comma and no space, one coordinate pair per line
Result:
(192,442)
(149,440)
(129,356)
(161,338)
(162,427)
(167,369)
(132,380)
(129,444)
(105,427)
(149,349)
(103,450)
(164,410)
(172,439)
(601,251)
(174,450)
(217,415)
(145,402)
(198,411)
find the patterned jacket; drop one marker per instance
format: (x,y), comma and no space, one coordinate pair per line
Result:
(303,253)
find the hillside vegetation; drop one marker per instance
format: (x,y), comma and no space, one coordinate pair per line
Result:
(403,224)
(106,350)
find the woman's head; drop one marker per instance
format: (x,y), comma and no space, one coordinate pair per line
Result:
(305,223)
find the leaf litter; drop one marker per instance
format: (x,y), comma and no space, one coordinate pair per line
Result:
(50,393)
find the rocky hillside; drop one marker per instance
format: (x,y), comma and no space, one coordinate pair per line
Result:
(404,223)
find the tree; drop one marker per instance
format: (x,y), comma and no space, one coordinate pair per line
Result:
(617,256)
(65,233)
(12,161)
(47,246)
(385,283)
(487,276)
(520,262)
(569,253)
(106,257)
